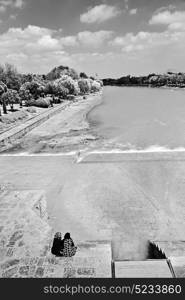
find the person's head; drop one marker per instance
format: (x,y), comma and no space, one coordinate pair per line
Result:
(67,236)
(58,235)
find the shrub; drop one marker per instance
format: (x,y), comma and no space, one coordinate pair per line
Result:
(31,110)
(43,102)
(70,97)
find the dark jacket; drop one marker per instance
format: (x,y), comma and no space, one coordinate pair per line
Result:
(58,246)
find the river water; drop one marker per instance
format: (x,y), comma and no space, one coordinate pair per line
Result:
(136,118)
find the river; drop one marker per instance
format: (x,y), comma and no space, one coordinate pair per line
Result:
(136,118)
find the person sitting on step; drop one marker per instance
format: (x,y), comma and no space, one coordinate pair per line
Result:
(69,247)
(58,245)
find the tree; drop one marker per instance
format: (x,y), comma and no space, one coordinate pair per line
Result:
(96,86)
(24,95)
(11,97)
(35,88)
(56,88)
(83,75)
(58,72)
(3,89)
(10,76)
(68,83)
(84,85)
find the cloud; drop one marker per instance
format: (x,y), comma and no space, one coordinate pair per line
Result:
(37,48)
(175,20)
(4,4)
(87,39)
(94,39)
(133,11)
(143,41)
(69,41)
(100,13)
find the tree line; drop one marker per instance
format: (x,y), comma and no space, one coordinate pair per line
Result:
(170,79)
(43,90)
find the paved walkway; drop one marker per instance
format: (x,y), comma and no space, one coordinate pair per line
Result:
(26,237)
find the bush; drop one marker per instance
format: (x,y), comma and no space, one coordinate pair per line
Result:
(70,97)
(43,102)
(31,110)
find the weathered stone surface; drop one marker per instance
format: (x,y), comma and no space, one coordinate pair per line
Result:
(86,271)
(69,273)
(9,263)
(10,252)
(39,272)
(10,272)
(32,270)
(24,270)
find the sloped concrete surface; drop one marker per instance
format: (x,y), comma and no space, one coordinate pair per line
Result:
(142,269)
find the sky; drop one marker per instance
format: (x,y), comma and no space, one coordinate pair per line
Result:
(110,38)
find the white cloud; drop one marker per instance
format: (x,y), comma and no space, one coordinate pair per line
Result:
(148,40)
(99,14)
(175,20)
(87,39)
(36,49)
(4,4)
(133,11)
(69,41)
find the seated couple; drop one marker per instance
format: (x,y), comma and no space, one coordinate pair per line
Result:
(65,247)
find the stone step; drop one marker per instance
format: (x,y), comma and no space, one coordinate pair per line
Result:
(142,269)
(178,266)
(172,248)
(93,259)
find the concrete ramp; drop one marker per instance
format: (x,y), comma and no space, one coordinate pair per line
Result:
(142,269)
(121,156)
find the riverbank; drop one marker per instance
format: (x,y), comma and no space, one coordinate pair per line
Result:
(67,131)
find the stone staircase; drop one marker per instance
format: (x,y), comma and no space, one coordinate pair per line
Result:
(143,269)
(26,238)
(175,252)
